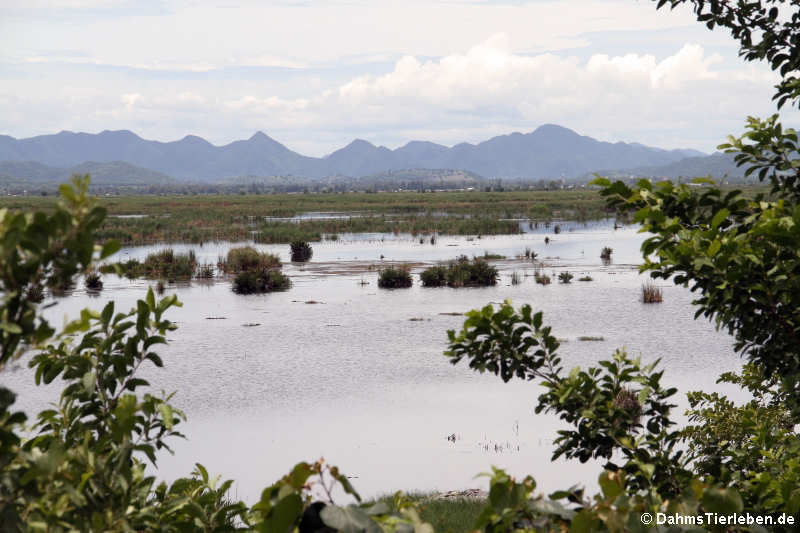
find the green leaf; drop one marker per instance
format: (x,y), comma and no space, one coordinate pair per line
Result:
(722,501)
(348,520)
(721,215)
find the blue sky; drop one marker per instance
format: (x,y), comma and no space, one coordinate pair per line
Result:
(316,74)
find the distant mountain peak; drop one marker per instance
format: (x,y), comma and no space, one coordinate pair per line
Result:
(554,129)
(360,143)
(260,136)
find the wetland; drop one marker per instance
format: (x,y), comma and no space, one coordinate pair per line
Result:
(338,367)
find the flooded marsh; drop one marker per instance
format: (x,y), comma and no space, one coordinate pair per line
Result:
(359,376)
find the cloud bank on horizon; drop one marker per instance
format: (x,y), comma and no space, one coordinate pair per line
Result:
(315,75)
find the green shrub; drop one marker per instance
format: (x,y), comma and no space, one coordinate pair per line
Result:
(260,281)
(605,253)
(565,277)
(247,258)
(394,278)
(586,278)
(435,276)
(301,251)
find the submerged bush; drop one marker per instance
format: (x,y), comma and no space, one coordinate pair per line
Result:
(586,278)
(435,276)
(301,251)
(247,258)
(476,273)
(605,254)
(565,277)
(461,273)
(394,278)
(259,281)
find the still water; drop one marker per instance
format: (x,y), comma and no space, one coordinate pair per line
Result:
(270,380)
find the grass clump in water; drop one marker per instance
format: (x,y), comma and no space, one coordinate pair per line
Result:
(300,251)
(541,278)
(651,294)
(461,273)
(605,253)
(164,264)
(565,277)
(590,338)
(516,278)
(487,255)
(394,278)
(93,281)
(586,278)
(260,281)
(247,258)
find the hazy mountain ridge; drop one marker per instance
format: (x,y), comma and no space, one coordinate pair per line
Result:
(717,164)
(550,151)
(114,173)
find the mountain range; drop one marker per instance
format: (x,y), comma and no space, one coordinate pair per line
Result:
(549,152)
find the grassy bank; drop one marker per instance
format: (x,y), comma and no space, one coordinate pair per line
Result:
(204,218)
(153,219)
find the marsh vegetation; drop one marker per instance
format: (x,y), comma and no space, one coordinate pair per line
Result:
(395,278)
(278,218)
(300,251)
(651,293)
(461,272)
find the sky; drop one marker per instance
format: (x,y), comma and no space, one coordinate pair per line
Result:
(316,74)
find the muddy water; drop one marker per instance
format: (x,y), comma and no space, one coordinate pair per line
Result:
(269,380)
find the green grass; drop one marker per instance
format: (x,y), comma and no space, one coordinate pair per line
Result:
(589,338)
